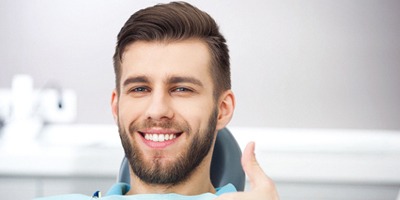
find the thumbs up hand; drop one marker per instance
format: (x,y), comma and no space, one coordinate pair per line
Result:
(262,187)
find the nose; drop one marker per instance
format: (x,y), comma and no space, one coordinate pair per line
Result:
(159,107)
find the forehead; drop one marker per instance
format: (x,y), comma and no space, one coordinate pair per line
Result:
(160,59)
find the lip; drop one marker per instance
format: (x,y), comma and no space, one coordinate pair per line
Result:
(159,131)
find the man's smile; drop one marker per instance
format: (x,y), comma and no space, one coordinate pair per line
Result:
(159,138)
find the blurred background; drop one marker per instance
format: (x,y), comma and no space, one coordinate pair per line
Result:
(317,80)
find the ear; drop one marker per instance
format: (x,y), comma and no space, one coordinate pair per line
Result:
(226,106)
(114,105)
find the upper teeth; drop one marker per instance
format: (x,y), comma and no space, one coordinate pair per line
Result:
(159,137)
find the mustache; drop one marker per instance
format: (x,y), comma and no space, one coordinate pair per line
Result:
(165,124)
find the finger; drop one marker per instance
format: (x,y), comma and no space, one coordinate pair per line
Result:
(256,175)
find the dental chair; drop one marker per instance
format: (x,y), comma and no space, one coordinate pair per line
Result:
(225,164)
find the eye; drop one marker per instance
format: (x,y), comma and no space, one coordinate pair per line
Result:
(182,89)
(139,89)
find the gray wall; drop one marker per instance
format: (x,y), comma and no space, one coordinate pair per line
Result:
(303,64)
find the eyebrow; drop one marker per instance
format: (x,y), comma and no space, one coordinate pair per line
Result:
(171,80)
(184,79)
(136,79)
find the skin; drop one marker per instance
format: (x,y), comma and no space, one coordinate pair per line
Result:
(169,81)
(172,81)
(262,187)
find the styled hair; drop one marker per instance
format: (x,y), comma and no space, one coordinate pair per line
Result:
(171,22)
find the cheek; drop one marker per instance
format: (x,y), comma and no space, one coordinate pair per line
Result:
(195,113)
(128,111)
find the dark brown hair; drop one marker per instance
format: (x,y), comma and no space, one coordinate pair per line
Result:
(173,22)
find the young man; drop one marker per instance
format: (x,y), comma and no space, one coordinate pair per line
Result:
(172,95)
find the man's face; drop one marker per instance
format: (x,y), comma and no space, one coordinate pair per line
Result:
(166,111)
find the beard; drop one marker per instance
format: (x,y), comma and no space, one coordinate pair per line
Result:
(169,173)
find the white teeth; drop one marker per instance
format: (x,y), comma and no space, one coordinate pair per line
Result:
(155,137)
(159,137)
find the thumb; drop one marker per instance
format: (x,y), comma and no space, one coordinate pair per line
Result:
(253,170)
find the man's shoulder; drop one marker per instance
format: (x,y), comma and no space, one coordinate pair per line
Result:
(118,190)
(226,189)
(207,196)
(65,197)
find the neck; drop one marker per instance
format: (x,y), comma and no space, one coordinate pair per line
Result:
(198,183)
